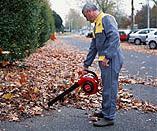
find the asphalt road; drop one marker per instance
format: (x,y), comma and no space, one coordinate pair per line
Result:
(137,64)
(71,119)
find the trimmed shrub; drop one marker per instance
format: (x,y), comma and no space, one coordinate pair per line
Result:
(24,26)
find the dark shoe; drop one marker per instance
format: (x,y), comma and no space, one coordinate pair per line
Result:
(98,114)
(103,122)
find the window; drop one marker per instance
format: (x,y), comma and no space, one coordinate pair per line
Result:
(143,32)
(121,33)
(155,33)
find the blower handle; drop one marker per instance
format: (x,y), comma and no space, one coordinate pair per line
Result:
(91,72)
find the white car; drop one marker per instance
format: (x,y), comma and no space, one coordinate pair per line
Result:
(152,39)
(139,36)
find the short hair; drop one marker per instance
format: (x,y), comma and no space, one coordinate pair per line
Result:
(89,7)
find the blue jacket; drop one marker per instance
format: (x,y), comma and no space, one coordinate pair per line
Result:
(106,41)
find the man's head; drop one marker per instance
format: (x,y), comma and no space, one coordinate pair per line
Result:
(90,11)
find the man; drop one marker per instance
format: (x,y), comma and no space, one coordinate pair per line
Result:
(106,44)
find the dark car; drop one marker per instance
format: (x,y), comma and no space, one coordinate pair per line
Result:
(89,34)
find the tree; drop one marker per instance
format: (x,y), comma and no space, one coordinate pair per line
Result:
(58,21)
(113,7)
(106,6)
(24,26)
(141,17)
(153,22)
(74,20)
(123,21)
(155,1)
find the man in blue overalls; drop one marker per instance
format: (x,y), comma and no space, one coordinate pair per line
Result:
(106,44)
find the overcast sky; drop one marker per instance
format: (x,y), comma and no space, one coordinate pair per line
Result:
(62,6)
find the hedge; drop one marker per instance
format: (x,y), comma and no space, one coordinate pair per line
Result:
(24,26)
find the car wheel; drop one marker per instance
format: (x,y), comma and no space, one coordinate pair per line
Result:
(152,45)
(137,41)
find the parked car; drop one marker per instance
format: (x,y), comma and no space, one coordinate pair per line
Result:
(139,36)
(123,34)
(90,34)
(84,32)
(151,39)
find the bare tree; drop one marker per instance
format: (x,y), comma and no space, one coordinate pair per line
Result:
(74,20)
(104,5)
(155,1)
(114,7)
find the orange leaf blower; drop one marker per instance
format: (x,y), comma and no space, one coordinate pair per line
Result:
(88,82)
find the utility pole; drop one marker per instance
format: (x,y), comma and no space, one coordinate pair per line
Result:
(148,15)
(132,15)
(70,25)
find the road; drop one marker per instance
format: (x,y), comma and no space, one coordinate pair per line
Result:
(137,64)
(71,119)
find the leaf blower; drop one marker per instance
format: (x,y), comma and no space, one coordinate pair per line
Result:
(88,82)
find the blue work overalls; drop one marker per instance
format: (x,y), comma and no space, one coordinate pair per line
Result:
(106,43)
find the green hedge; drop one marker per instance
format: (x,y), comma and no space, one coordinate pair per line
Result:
(24,26)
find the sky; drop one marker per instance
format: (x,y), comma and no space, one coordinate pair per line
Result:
(62,7)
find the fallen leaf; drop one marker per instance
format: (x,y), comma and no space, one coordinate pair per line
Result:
(36,110)
(8,96)
(23,78)
(36,90)
(13,117)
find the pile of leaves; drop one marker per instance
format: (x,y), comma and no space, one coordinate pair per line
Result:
(25,88)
